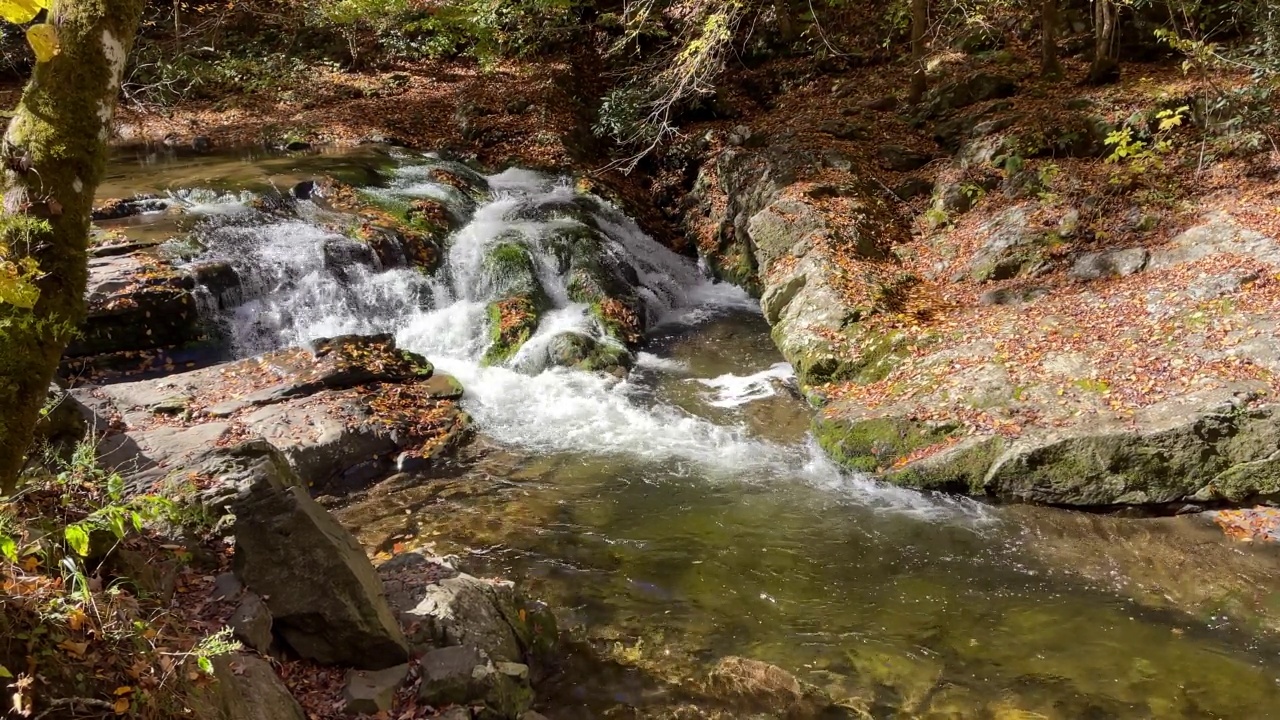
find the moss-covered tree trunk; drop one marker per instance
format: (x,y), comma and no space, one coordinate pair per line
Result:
(55,154)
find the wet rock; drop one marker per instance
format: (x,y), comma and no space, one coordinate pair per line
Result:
(752,685)
(128,207)
(759,228)
(248,689)
(371,692)
(1109,263)
(579,351)
(324,596)
(902,159)
(342,256)
(251,623)
(219,279)
(461,675)
(464,610)
(136,302)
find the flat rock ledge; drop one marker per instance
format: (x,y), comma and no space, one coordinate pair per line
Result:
(341,413)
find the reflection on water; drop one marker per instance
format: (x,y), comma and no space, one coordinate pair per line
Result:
(682,515)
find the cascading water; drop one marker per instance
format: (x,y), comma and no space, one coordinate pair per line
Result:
(296,288)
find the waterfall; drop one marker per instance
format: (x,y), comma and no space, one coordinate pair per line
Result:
(294,290)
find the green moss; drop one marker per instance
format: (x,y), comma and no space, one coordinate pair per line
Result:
(960,470)
(512,322)
(877,355)
(871,445)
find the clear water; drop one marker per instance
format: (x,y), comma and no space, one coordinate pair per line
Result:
(683,515)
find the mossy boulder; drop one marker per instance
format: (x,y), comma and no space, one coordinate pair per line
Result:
(510,274)
(874,444)
(575,350)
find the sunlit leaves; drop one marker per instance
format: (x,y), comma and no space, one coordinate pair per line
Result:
(21,11)
(17,286)
(78,539)
(43,39)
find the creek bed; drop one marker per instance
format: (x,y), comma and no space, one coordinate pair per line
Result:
(682,514)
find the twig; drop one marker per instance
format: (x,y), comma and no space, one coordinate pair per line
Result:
(77,704)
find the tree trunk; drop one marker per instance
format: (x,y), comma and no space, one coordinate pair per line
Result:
(919,25)
(1106,65)
(55,153)
(1049,65)
(786,23)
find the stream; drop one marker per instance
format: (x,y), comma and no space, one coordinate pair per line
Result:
(682,514)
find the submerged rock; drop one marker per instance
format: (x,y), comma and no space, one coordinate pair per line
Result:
(752,685)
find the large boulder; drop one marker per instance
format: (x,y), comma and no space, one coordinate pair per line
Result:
(1095,408)
(339,413)
(439,606)
(804,237)
(324,596)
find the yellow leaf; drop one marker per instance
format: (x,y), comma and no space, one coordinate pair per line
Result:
(21,11)
(75,619)
(30,563)
(43,39)
(77,649)
(122,706)
(124,690)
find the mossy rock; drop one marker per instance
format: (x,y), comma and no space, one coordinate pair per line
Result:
(578,351)
(878,354)
(512,321)
(875,444)
(960,469)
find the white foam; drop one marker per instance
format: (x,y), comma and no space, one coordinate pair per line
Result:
(732,391)
(649,361)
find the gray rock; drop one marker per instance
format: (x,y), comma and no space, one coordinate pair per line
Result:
(322,591)
(1012,296)
(913,187)
(226,587)
(902,159)
(845,129)
(883,104)
(249,689)
(464,611)
(458,675)
(251,623)
(136,302)
(977,88)
(1109,263)
(1218,234)
(369,692)
(1012,248)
